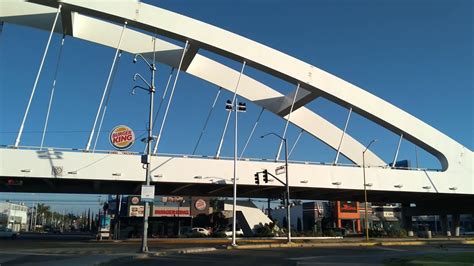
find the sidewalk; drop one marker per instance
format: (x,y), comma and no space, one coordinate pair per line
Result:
(360,243)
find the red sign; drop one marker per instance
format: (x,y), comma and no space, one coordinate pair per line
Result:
(348,206)
(161,212)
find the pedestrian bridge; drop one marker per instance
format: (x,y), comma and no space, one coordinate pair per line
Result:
(112,172)
(135,28)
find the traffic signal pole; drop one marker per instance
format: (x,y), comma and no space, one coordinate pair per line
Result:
(287,194)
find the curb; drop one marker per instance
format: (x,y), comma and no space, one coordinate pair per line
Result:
(354,244)
(180,251)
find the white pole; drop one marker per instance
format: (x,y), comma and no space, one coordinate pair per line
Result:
(342,136)
(105,106)
(296,142)
(234,206)
(171,98)
(18,138)
(287,122)
(251,133)
(398,149)
(52,93)
(218,153)
(207,120)
(163,96)
(105,88)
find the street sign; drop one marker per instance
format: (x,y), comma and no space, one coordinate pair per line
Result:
(280,170)
(148,193)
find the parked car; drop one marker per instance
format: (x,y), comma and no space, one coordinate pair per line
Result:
(199,230)
(8,233)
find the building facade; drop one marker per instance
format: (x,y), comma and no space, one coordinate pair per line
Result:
(13,216)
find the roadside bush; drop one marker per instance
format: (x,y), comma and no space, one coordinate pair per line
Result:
(268,230)
(396,232)
(377,232)
(331,232)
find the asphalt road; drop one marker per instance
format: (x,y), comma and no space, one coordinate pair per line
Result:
(295,256)
(67,250)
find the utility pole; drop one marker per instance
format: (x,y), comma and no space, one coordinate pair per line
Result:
(146,159)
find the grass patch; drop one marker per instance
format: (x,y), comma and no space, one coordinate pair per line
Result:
(462,258)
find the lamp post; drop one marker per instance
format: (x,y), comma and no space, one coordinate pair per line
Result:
(146,158)
(365,191)
(232,106)
(287,185)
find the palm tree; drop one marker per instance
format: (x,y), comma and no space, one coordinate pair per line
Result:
(41,211)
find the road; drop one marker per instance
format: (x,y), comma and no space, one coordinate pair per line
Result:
(67,250)
(298,256)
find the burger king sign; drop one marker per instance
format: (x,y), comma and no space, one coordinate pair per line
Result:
(122,137)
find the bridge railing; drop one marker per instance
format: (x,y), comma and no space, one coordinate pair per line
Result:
(36,148)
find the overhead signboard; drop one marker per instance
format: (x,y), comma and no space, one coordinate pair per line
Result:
(148,193)
(165,211)
(122,137)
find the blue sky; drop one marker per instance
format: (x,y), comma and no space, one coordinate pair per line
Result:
(417,55)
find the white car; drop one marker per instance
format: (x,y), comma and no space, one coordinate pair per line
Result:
(8,233)
(228,232)
(200,230)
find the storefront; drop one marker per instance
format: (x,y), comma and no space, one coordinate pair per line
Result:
(347,215)
(169,216)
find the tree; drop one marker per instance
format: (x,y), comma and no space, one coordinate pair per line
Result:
(202,220)
(42,210)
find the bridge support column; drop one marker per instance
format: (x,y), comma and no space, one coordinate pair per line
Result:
(407,219)
(456,228)
(444,224)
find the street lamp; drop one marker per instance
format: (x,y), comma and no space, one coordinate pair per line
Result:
(146,158)
(287,185)
(232,106)
(365,191)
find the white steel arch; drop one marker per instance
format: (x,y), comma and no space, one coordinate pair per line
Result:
(455,159)
(103,33)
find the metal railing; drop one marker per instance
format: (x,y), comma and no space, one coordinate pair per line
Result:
(211,157)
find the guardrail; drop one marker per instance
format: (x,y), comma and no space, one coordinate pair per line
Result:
(35,148)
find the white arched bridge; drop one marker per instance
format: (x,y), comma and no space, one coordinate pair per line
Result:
(133,27)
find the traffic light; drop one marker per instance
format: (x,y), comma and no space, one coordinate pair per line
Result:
(257,180)
(242,107)
(265,176)
(229,105)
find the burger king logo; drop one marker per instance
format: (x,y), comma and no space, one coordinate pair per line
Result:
(200,204)
(122,137)
(135,200)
